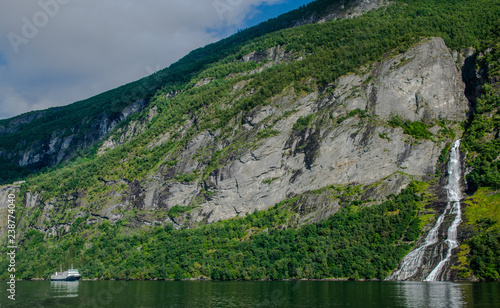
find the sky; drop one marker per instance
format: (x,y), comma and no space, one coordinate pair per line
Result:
(56,52)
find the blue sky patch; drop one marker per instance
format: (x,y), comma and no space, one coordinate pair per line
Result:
(3,62)
(271,11)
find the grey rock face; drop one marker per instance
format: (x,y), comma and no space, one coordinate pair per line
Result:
(422,84)
(275,55)
(336,148)
(415,90)
(63,145)
(125,134)
(14,124)
(344,9)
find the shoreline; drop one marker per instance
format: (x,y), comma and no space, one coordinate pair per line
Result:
(266,280)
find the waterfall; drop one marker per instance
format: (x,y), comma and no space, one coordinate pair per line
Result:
(454,196)
(416,264)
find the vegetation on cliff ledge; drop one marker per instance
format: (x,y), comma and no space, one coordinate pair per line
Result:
(357,242)
(482,143)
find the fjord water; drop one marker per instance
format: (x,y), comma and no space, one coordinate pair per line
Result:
(252,294)
(428,262)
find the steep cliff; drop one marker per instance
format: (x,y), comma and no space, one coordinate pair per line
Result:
(360,150)
(339,135)
(341,10)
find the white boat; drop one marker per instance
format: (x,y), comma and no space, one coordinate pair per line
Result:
(69,275)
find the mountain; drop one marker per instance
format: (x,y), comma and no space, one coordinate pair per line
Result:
(46,138)
(314,145)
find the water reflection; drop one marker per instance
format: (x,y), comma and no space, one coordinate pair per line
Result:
(255,294)
(64,288)
(432,294)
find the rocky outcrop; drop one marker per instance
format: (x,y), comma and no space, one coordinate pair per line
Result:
(63,144)
(12,126)
(422,84)
(342,10)
(275,55)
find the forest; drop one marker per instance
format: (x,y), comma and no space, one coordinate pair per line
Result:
(358,242)
(482,143)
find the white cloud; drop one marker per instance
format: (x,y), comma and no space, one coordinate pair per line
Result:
(79,48)
(14,102)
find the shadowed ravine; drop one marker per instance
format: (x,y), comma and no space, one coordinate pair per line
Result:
(430,261)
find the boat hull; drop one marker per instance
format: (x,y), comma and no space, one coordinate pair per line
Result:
(65,279)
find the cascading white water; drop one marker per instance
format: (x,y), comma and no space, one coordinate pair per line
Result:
(454,196)
(413,262)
